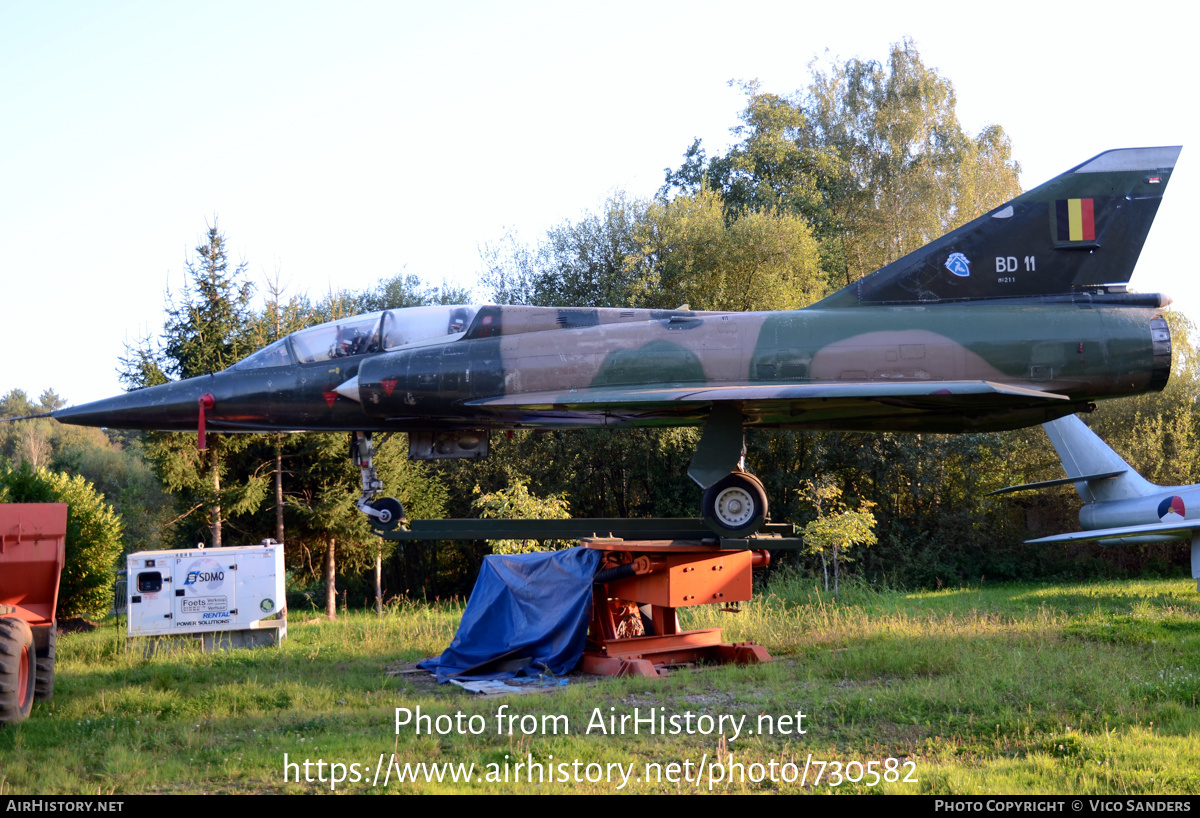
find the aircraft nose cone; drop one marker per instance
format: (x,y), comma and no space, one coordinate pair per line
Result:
(169,407)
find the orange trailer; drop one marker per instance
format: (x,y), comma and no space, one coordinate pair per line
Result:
(32,551)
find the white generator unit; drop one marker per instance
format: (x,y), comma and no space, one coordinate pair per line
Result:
(228,591)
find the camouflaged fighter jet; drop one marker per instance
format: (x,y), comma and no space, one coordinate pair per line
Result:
(1120,507)
(1018,317)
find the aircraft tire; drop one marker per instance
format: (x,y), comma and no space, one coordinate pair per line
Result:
(18,673)
(43,688)
(391,513)
(735,506)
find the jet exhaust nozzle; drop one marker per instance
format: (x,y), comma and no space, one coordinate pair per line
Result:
(1160,371)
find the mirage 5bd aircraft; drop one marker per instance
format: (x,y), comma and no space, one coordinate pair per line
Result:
(1018,317)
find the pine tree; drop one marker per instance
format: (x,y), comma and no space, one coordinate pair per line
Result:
(206,329)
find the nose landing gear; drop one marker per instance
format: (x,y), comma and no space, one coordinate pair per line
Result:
(386,513)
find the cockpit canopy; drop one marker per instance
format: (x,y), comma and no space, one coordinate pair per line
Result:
(362,334)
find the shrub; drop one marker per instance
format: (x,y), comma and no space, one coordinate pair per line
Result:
(93,534)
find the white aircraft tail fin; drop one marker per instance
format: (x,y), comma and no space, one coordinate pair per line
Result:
(1083,453)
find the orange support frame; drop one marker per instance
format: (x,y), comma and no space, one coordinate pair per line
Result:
(665,575)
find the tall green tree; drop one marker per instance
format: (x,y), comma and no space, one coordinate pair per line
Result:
(690,251)
(207,329)
(772,166)
(587,263)
(908,171)
(871,155)
(663,253)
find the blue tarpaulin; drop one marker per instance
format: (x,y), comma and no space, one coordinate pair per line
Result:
(528,614)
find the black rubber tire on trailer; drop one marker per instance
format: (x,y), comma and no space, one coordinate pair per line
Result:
(18,673)
(43,688)
(735,506)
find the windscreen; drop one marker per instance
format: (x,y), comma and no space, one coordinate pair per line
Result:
(274,355)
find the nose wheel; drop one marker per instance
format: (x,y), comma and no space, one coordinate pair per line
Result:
(385,512)
(389,512)
(735,506)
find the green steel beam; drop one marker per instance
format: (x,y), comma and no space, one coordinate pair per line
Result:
(772,535)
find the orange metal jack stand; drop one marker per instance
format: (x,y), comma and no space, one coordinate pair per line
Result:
(634,631)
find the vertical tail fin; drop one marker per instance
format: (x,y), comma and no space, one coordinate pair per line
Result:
(1082,452)
(1080,232)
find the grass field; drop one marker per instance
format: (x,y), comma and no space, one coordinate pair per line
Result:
(1088,688)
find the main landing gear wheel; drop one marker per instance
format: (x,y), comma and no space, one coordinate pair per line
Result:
(17,673)
(735,506)
(391,513)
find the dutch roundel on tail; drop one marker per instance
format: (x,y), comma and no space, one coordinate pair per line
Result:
(1119,505)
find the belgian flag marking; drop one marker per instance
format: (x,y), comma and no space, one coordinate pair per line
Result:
(1075,219)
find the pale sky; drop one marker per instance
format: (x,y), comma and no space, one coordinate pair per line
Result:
(339,144)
